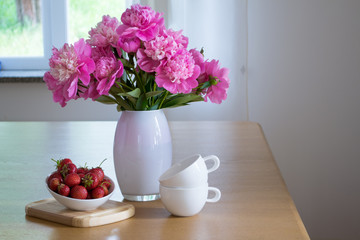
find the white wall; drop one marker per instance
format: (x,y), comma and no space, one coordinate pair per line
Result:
(304,88)
(219,29)
(33,102)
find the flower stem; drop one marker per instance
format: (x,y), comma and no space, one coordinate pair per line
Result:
(124,85)
(162,101)
(140,81)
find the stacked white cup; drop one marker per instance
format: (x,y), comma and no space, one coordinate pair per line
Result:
(184,187)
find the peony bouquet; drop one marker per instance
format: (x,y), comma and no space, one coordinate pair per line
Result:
(136,64)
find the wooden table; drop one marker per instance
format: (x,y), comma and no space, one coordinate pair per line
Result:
(255,203)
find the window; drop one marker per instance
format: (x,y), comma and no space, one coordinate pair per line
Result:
(30,28)
(20,23)
(85,14)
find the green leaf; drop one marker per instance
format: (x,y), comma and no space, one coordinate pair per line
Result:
(153,93)
(144,78)
(106,100)
(155,106)
(205,85)
(141,103)
(118,108)
(150,82)
(134,93)
(182,99)
(120,88)
(118,100)
(125,63)
(115,90)
(124,76)
(125,103)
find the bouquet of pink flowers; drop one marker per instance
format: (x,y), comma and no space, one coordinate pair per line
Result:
(137,64)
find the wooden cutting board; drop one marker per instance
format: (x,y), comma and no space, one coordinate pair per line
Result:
(51,210)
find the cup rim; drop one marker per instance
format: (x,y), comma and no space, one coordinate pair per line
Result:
(182,165)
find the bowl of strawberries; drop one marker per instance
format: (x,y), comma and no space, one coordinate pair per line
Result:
(80,189)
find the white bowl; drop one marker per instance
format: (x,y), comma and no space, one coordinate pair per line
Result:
(81,204)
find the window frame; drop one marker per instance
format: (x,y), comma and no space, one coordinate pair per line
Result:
(54,28)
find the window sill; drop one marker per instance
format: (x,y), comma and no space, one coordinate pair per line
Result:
(22,76)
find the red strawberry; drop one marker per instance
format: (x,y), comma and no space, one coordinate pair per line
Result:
(106,190)
(97,192)
(106,182)
(83,169)
(89,195)
(54,175)
(81,175)
(54,184)
(78,192)
(98,171)
(68,168)
(72,179)
(61,163)
(90,180)
(63,190)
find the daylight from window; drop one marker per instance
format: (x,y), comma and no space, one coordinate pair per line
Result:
(85,14)
(20,28)
(21,33)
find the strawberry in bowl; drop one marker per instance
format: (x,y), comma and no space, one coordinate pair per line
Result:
(79,189)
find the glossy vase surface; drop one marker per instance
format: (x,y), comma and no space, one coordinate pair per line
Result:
(142,152)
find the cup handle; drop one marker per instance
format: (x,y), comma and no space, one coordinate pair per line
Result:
(217,194)
(216,161)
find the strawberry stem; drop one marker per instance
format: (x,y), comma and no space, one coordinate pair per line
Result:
(57,162)
(85,166)
(103,161)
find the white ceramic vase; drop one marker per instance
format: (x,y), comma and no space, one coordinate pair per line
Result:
(142,152)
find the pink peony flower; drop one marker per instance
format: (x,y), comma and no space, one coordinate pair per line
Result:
(181,40)
(179,73)
(219,80)
(67,66)
(141,22)
(106,72)
(58,90)
(105,33)
(162,46)
(129,44)
(145,62)
(199,59)
(107,69)
(89,91)
(98,52)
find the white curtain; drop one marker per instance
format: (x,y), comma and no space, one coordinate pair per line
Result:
(220,27)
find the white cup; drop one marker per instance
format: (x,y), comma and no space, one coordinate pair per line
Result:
(190,172)
(187,202)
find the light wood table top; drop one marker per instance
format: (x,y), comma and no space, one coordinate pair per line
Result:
(255,203)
